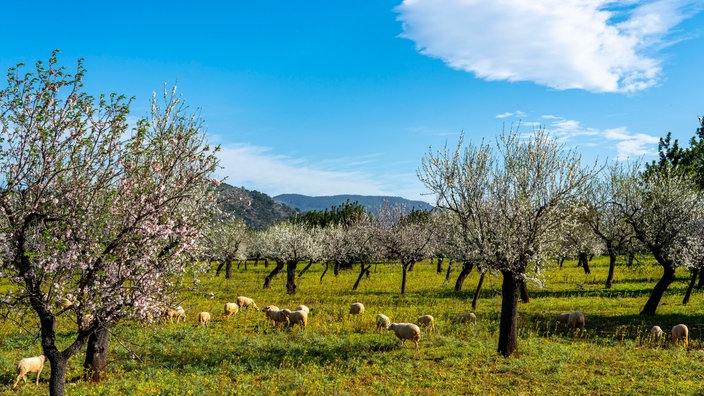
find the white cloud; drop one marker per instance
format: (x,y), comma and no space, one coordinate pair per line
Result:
(595,45)
(258,168)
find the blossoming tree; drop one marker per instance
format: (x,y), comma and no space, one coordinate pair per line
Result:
(91,211)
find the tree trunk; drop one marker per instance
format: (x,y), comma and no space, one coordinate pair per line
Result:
(466,269)
(695,272)
(362,270)
(449,270)
(508,326)
(476,292)
(291,276)
(612,267)
(272,274)
(583,261)
(228,269)
(439,270)
(303,271)
(324,271)
(668,276)
(410,267)
(403,280)
(523,286)
(59,367)
(700,284)
(631,256)
(266,263)
(97,354)
(560,261)
(336,269)
(220,265)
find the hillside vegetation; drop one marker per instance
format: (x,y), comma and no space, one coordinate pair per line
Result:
(340,354)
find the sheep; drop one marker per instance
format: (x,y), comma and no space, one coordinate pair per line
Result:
(572,320)
(204,318)
(178,313)
(246,302)
(680,333)
(277,315)
(300,317)
(406,331)
(382,321)
(302,308)
(29,365)
(231,309)
(467,317)
(656,333)
(426,321)
(357,308)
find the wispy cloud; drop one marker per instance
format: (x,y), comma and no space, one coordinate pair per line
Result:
(596,45)
(258,168)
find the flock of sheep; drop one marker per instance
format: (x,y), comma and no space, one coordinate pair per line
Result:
(404,331)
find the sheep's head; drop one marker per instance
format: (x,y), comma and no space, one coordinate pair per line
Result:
(268,308)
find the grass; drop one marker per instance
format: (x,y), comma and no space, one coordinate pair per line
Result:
(343,355)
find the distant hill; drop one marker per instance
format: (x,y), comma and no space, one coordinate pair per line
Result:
(306,203)
(256,209)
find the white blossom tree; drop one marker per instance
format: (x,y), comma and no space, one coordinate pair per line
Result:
(227,240)
(512,201)
(92,211)
(662,207)
(287,244)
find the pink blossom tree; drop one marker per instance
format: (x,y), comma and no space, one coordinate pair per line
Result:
(93,211)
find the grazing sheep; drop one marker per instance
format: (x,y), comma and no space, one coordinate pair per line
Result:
(302,308)
(204,318)
(656,333)
(231,309)
(296,317)
(276,315)
(406,331)
(357,308)
(426,321)
(467,317)
(29,365)
(382,322)
(178,313)
(246,302)
(572,320)
(680,333)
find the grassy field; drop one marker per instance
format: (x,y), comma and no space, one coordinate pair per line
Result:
(343,355)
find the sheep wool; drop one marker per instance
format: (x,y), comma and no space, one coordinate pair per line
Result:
(357,308)
(426,321)
(468,317)
(29,365)
(276,315)
(296,317)
(178,313)
(204,318)
(382,322)
(231,309)
(246,302)
(406,331)
(572,320)
(656,334)
(680,333)
(302,308)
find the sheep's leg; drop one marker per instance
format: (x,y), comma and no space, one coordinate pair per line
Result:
(39,373)
(20,375)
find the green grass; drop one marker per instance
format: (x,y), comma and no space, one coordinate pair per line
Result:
(343,355)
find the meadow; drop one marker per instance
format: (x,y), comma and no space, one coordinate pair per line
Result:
(342,355)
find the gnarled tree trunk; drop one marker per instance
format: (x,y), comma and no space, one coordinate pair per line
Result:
(479,289)
(692,281)
(508,324)
(97,354)
(466,269)
(612,267)
(291,276)
(362,270)
(668,276)
(272,274)
(583,261)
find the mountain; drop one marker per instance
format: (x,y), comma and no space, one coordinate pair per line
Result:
(256,209)
(306,203)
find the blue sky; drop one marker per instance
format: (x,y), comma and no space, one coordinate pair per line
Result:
(329,97)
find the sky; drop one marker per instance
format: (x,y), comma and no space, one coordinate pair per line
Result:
(324,97)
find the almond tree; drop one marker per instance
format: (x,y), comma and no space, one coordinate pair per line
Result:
(287,244)
(227,240)
(91,211)
(512,201)
(662,207)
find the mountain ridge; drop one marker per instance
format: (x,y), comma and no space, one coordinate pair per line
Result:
(372,203)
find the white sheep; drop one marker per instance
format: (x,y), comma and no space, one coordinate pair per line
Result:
(467,317)
(426,321)
(357,308)
(246,302)
(302,308)
(29,365)
(204,318)
(406,331)
(656,334)
(572,320)
(276,315)
(680,332)
(178,313)
(382,322)
(296,317)
(231,309)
